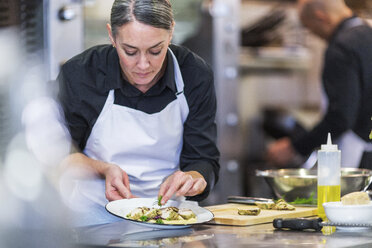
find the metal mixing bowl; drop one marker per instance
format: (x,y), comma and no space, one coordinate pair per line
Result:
(292,183)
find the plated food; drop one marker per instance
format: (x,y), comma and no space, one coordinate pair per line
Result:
(125,209)
(167,215)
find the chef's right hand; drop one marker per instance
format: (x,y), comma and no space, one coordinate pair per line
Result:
(117,183)
(280,153)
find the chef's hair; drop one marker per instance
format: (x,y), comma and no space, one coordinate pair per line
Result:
(156,13)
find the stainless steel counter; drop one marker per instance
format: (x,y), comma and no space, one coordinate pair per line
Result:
(127,234)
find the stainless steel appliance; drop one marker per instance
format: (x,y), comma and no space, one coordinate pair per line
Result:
(226,44)
(53,29)
(64,31)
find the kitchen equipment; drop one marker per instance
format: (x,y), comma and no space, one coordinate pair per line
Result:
(246,199)
(315,224)
(227,214)
(353,214)
(292,183)
(264,30)
(329,175)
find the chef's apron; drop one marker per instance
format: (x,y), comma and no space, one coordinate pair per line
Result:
(351,145)
(146,146)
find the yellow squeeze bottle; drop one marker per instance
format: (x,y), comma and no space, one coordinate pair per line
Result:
(329,175)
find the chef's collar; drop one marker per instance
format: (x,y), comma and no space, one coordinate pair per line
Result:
(116,81)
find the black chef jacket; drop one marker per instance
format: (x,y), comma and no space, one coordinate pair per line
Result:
(347,81)
(86,79)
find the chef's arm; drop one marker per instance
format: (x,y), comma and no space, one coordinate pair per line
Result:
(116,180)
(200,152)
(342,86)
(80,160)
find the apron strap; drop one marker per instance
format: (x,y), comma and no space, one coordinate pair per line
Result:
(177,74)
(179,86)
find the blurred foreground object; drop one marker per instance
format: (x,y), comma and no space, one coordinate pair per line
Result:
(32,142)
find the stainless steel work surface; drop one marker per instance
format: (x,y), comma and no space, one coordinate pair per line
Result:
(126,234)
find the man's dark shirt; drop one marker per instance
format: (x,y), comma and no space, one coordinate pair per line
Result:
(86,79)
(347,81)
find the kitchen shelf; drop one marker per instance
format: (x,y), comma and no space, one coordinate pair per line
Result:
(274,59)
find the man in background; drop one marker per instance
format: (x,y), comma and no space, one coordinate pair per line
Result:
(347,83)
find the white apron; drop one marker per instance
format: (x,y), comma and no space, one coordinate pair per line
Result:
(146,146)
(352,148)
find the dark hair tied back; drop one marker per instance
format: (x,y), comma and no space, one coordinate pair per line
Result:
(156,13)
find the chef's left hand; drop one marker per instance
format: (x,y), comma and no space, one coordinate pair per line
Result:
(181,183)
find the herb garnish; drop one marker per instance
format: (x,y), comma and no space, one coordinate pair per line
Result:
(159,200)
(143,218)
(311,200)
(159,221)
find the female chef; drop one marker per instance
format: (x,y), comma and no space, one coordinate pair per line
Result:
(141,111)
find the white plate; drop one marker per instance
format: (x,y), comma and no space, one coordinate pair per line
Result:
(122,207)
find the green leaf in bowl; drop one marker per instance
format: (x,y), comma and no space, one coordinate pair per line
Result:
(308,201)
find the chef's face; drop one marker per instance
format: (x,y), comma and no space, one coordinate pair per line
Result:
(142,50)
(315,26)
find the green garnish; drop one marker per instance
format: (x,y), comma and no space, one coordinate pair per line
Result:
(143,218)
(159,221)
(310,200)
(159,200)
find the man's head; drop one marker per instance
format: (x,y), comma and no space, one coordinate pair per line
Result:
(322,16)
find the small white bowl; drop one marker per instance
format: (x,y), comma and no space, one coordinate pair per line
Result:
(350,214)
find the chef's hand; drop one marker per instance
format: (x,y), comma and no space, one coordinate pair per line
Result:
(280,153)
(181,183)
(117,183)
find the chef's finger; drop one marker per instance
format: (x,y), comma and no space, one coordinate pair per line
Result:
(197,188)
(164,187)
(123,191)
(168,194)
(177,180)
(188,184)
(112,193)
(126,180)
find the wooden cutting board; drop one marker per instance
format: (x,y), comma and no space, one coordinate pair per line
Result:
(227,214)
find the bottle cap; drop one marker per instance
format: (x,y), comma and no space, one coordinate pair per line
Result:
(329,146)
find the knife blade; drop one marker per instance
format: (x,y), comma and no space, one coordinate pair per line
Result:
(314,224)
(247,200)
